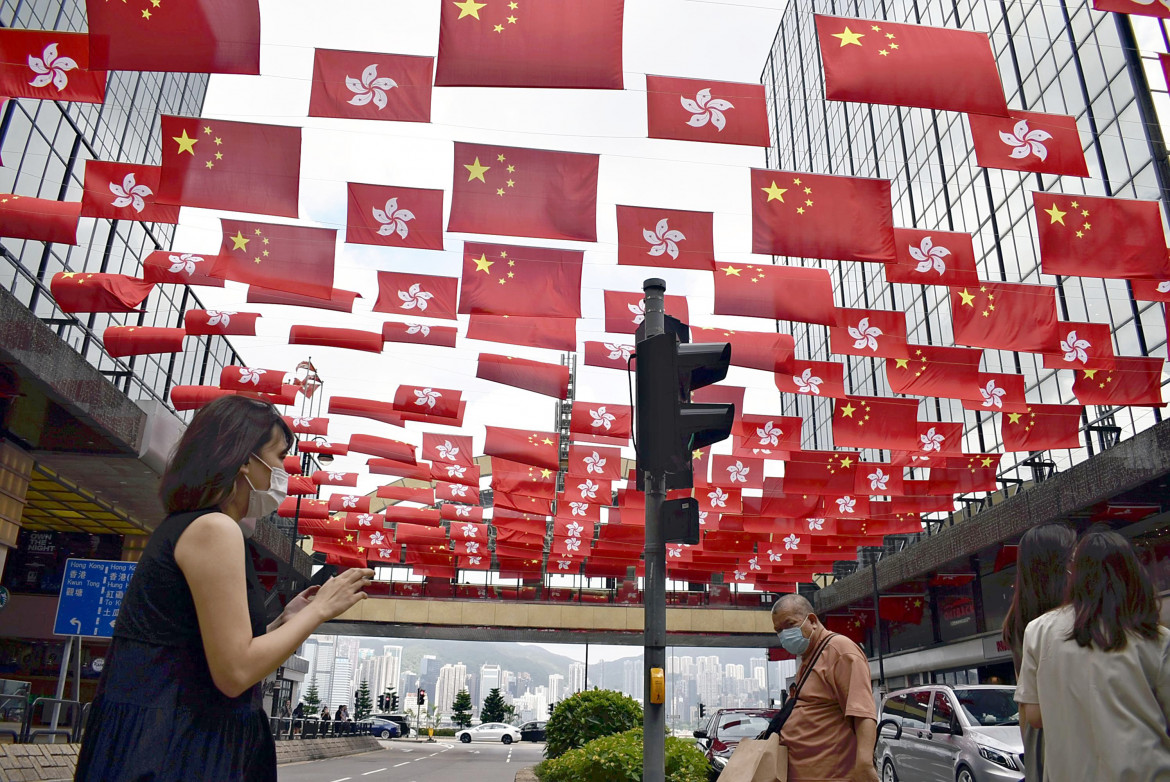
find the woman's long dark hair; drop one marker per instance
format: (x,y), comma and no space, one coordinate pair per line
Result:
(217,443)
(1110,593)
(1040,580)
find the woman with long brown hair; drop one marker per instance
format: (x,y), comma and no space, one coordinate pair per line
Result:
(179,697)
(1095,672)
(1041,566)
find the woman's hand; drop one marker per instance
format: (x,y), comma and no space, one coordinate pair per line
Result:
(340,593)
(294,606)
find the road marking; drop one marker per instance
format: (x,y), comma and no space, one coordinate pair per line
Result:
(509,760)
(375,771)
(432,755)
(407,763)
(342,779)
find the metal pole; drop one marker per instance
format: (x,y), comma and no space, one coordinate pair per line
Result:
(585,678)
(654,717)
(877,625)
(62,676)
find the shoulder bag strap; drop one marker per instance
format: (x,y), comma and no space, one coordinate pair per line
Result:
(777,723)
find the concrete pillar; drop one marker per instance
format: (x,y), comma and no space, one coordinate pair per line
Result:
(15,471)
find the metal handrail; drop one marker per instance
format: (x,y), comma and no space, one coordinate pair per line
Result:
(74,712)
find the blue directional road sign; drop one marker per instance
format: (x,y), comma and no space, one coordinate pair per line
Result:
(91,594)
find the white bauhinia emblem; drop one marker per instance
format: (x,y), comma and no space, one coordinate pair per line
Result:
(931,441)
(754,563)
(706,109)
(50,69)
(413,297)
(663,239)
(618,351)
(251,375)
(815,525)
(349,501)
(992,394)
(184,263)
(878,479)
(365,519)
(1164,286)
(455,470)
(703,517)
(595,463)
(458,489)
(130,193)
(740,575)
(807,383)
(639,310)
(447,451)
(393,221)
(370,87)
(385,553)
(674,551)
(791,542)
(930,256)
(426,397)
(737,472)
(464,511)
(469,530)
(572,544)
(474,560)
(472,547)
(579,508)
(574,530)
(377,539)
(563,564)
(601,418)
(337,476)
(302,421)
(1025,142)
(718,498)
(769,434)
(865,336)
(588,489)
(846,504)
(418,328)
(1074,348)
(775,556)
(219,318)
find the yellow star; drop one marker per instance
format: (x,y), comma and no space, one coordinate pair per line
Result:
(846,462)
(146,14)
(218,141)
(730,271)
(884,53)
(547,441)
(902,363)
(239,241)
(219,156)
(476,171)
(986,461)
(697,454)
(1089,373)
(469,8)
(1056,215)
(775,193)
(511,20)
(513,5)
(511,183)
(848,410)
(511,169)
(968,298)
(499,191)
(1014,418)
(545,474)
(849,37)
(499,28)
(482,264)
(186,143)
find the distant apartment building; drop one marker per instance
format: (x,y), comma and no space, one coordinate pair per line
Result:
(576,677)
(556,688)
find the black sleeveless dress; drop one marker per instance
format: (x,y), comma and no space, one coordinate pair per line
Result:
(157,715)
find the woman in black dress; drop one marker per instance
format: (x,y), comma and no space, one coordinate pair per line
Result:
(180,695)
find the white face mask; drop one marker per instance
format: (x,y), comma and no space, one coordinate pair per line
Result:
(263,502)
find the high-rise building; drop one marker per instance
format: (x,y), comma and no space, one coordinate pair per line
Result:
(343,685)
(556,687)
(576,677)
(490,678)
(633,679)
(451,680)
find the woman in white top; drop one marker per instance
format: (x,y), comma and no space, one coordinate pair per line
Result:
(1095,672)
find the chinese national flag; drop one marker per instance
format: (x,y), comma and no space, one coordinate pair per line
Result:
(1130,381)
(516,478)
(813,378)
(669,238)
(140,340)
(442,402)
(39,219)
(820,472)
(200,323)
(876,422)
(936,371)
(419,334)
(85,292)
(1006,316)
(347,339)
(1139,7)
(1027,141)
(540,449)
(998,393)
(197,36)
(1092,236)
(451,449)
(1042,427)
(776,292)
(233,166)
(539,377)
(336,301)
(417,295)
(503,279)
(511,191)
(821,216)
(879,333)
(873,61)
(49,65)
(365,85)
(551,333)
(288,258)
(1082,346)
(122,191)
(179,268)
(697,110)
(977,474)
(610,355)
(932,258)
(534,44)
(903,610)
(768,351)
(624,312)
(388,216)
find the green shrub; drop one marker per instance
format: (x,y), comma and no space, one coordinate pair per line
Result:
(586,716)
(618,758)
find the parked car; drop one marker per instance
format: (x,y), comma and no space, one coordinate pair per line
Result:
(382,728)
(533,731)
(489,731)
(724,730)
(965,733)
(401,720)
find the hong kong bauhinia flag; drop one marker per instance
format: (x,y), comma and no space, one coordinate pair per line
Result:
(704,110)
(538,43)
(389,216)
(874,61)
(503,279)
(124,191)
(365,85)
(670,238)
(1006,316)
(869,333)
(179,268)
(821,216)
(288,258)
(932,258)
(1027,141)
(233,166)
(511,191)
(1092,236)
(624,312)
(49,65)
(417,295)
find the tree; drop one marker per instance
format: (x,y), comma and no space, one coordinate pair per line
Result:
(311,698)
(461,709)
(362,705)
(493,707)
(509,714)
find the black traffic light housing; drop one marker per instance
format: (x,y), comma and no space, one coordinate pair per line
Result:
(702,710)
(422,697)
(392,706)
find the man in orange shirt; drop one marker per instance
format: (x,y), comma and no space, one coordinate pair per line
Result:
(831,732)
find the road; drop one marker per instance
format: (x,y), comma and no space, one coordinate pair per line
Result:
(408,761)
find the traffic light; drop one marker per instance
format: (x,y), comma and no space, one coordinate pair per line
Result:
(550,708)
(702,710)
(422,697)
(393,704)
(381,703)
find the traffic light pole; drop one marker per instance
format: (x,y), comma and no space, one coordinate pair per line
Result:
(654,714)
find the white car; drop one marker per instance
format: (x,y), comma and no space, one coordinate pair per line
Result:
(489,731)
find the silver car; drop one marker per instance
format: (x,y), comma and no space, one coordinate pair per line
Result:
(939,734)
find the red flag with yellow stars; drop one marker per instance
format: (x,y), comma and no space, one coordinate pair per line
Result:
(874,61)
(932,258)
(551,333)
(288,258)
(365,85)
(875,422)
(537,376)
(1132,380)
(836,218)
(1042,427)
(976,472)
(39,219)
(388,216)
(49,65)
(530,43)
(768,351)
(233,166)
(820,472)
(776,292)
(879,333)
(703,110)
(998,393)
(669,238)
(1092,236)
(140,340)
(540,449)
(1082,346)
(936,371)
(122,191)
(510,191)
(1006,316)
(196,36)
(1027,141)
(516,478)
(503,279)
(94,292)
